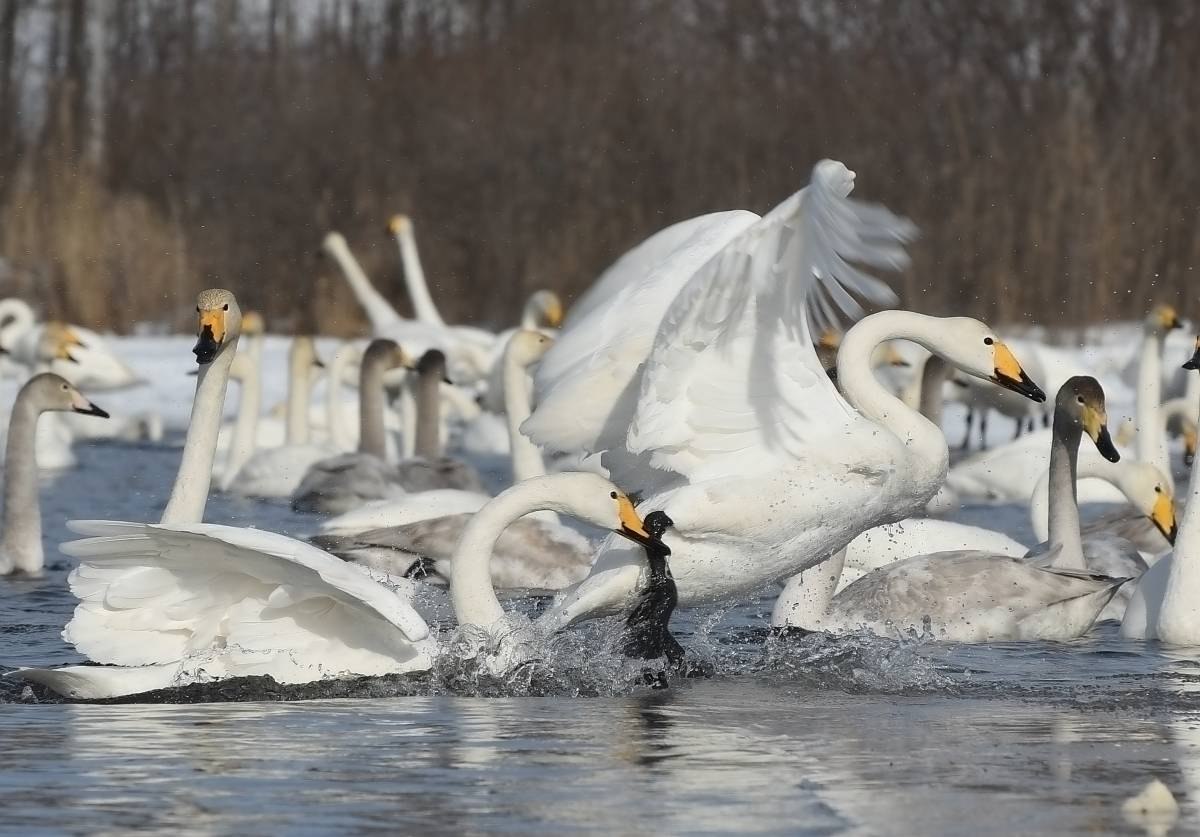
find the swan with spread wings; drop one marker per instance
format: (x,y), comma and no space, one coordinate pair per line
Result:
(698,382)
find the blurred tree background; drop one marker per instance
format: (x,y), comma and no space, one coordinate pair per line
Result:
(149,148)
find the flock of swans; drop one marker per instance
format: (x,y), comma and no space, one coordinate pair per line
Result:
(691,407)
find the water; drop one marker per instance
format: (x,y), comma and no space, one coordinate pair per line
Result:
(799,736)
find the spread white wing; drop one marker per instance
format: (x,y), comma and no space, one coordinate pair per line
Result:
(153,594)
(733,380)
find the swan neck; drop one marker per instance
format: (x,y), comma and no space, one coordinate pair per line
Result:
(16,318)
(429,405)
(21,547)
(408,418)
(372,437)
(1151,439)
(471,590)
(190,492)
(414,278)
(297,404)
(864,392)
(1063,513)
(378,310)
(527,459)
(245,429)
(334,418)
(1183,581)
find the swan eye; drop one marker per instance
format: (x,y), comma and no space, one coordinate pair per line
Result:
(225,307)
(64,387)
(1158,489)
(1079,398)
(987,341)
(197,309)
(612,494)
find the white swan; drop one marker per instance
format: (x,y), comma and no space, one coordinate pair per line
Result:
(182,601)
(54,438)
(346,481)
(701,385)
(276,472)
(247,371)
(1166,602)
(21,540)
(91,364)
(975,596)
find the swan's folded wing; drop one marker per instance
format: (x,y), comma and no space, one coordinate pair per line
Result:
(733,372)
(157,594)
(586,386)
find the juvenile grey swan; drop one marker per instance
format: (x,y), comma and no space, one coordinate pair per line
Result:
(346,481)
(21,543)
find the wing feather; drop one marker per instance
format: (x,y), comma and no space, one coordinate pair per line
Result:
(733,370)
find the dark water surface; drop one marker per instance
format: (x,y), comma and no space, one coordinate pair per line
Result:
(808,736)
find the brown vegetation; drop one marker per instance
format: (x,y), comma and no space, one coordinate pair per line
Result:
(152,147)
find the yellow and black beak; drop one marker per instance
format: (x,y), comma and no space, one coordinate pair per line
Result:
(1095,423)
(211,335)
(1010,375)
(632,525)
(1163,517)
(1194,363)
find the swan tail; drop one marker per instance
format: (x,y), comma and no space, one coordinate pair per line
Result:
(1072,617)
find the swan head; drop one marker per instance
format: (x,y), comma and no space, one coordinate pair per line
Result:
(386,353)
(433,365)
(53,393)
(975,349)
(220,323)
(56,342)
(253,324)
(1162,319)
(1080,403)
(545,308)
(593,499)
(526,347)
(1194,363)
(333,243)
(1150,492)
(398,224)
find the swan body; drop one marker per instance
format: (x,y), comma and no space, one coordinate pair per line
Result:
(402,511)
(886,544)
(969,596)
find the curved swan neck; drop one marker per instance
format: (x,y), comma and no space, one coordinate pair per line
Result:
(378,310)
(429,418)
(372,437)
(245,428)
(21,546)
(1151,439)
(471,591)
(807,595)
(527,459)
(414,277)
(299,366)
(189,495)
(1063,518)
(868,396)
